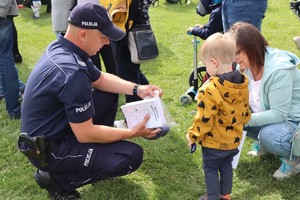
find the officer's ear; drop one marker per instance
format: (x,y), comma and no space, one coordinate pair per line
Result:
(82,34)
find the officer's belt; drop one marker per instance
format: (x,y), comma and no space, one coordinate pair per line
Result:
(52,144)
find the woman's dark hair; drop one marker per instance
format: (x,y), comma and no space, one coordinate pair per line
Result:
(250,40)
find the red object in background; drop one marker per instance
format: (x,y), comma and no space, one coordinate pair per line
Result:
(21,6)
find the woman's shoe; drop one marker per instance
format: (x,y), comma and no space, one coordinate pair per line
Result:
(287,169)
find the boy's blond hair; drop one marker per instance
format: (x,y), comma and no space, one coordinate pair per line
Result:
(221,47)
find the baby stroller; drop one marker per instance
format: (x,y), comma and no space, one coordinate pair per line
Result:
(196,78)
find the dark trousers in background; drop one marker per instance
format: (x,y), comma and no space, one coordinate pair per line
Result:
(108,59)
(15,44)
(125,68)
(252,131)
(218,171)
(106,105)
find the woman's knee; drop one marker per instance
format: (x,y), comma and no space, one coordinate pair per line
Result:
(279,131)
(271,134)
(275,138)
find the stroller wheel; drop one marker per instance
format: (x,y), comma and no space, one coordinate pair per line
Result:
(201,75)
(186,99)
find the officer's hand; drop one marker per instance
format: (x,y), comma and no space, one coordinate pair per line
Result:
(144,91)
(141,130)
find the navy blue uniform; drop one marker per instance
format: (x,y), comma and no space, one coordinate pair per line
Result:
(59,91)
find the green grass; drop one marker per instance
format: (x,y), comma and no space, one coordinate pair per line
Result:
(168,172)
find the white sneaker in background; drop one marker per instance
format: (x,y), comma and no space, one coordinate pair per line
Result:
(297,41)
(120,124)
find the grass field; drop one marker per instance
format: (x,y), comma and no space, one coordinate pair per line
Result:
(169,171)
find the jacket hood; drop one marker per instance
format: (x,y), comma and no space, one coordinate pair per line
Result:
(232,85)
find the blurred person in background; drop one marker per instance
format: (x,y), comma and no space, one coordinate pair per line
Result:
(8,70)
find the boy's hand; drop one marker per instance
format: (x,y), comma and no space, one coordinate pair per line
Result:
(199,26)
(187,136)
(190,143)
(189,30)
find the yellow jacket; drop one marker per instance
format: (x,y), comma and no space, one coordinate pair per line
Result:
(222,111)
(119,11)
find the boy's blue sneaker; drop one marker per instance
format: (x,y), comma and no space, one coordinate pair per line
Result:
(163,132)
(287,169)
(256,150)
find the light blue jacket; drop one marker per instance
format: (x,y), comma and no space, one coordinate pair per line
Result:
(279,90)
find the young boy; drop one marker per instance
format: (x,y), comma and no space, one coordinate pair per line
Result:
(222,110)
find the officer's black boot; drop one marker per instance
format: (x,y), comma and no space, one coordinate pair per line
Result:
(45,181)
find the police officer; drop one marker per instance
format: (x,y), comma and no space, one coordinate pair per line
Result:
(72,105)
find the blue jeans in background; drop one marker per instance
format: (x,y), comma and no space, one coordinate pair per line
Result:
(8,69)
(275,138)
(21,88)
(251,11)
